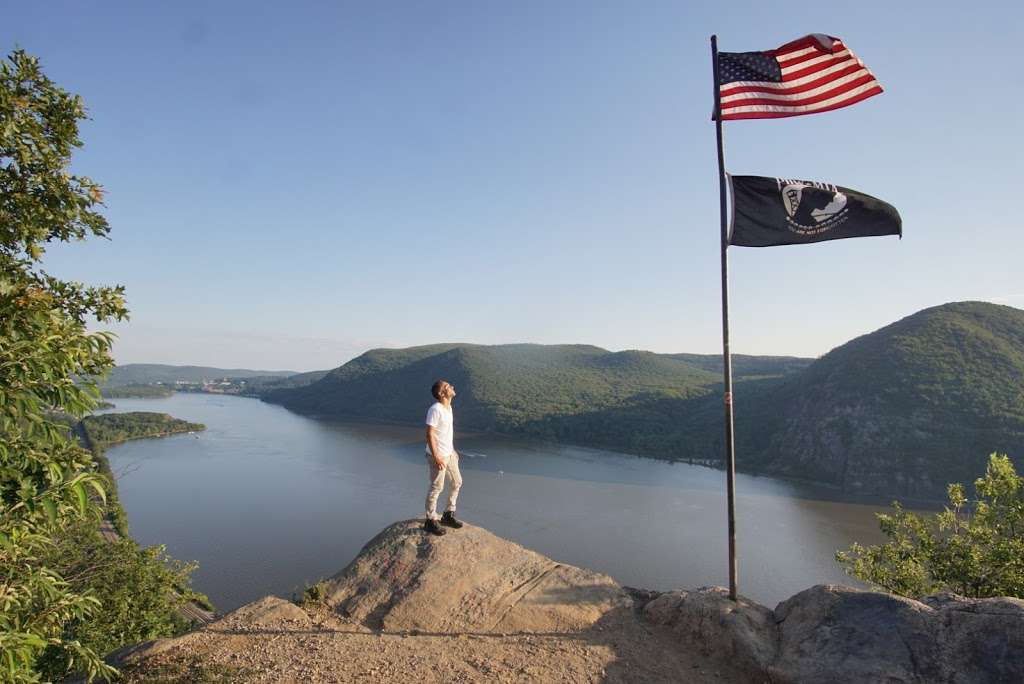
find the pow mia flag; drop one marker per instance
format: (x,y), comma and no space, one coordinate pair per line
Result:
(787,211)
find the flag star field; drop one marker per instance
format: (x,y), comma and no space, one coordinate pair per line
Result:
(748,66)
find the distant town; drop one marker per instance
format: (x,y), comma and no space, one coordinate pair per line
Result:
(217,386)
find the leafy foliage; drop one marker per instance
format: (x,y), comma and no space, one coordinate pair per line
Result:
(972,548)
(47,481)
(112,428)
(140,592)
(313,595)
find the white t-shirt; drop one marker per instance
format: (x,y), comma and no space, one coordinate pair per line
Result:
(442,420)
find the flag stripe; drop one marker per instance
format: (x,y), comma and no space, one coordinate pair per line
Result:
(800,100)
(811,87)
(776,112)
(803,91)
(789,51)
(813,74)
(812,81)
(805,42)
(799,107)
(828,67)
(816,63)
(792,57)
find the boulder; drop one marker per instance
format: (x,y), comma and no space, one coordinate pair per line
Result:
(832,634)
(468,581)
(707,619)
(838,634)
(979,639)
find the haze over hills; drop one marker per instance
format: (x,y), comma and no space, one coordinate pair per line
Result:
(266,382)
(151,373)
(903,410)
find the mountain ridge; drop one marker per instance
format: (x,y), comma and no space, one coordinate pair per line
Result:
(902,410)
(929,396)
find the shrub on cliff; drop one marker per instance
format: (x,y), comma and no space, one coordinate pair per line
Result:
(972,548)
(140,593)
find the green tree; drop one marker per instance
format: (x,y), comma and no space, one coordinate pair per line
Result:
(973,548)
(141,592)
(47,482)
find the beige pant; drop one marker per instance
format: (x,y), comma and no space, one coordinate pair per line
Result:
(437,475)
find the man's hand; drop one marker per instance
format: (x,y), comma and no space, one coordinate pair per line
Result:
(440,462)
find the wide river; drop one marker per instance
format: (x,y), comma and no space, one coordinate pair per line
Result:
(268,501)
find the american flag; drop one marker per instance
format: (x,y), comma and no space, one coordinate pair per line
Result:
(813,74)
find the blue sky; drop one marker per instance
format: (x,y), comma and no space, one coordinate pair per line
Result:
(290,184)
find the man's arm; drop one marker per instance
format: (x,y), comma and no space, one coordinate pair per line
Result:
(432,441)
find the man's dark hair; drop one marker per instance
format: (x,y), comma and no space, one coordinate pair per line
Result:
(436,389)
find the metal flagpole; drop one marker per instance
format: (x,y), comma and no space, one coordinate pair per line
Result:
(730,449)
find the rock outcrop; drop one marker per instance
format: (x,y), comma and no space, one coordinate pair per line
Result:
(469,581)
(472,607)
(710,622)
(829,634)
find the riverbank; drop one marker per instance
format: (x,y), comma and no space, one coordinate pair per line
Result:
(341,482)
(114,524)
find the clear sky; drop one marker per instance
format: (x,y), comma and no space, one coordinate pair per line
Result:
(290,184)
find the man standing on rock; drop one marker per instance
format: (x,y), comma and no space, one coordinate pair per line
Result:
(442,458)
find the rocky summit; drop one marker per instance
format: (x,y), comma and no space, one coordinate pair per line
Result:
(472,607)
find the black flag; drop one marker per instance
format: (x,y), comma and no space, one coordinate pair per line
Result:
(787,211)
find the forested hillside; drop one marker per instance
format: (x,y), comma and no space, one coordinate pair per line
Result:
(631,400)
(903,410)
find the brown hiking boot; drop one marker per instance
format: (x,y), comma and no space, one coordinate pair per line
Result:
(448,519)
(432,527)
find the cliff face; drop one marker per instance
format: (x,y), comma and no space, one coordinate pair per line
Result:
(472,607)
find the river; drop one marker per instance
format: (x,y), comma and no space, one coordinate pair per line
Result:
(268,501)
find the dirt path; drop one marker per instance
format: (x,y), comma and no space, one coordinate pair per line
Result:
(290,644)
